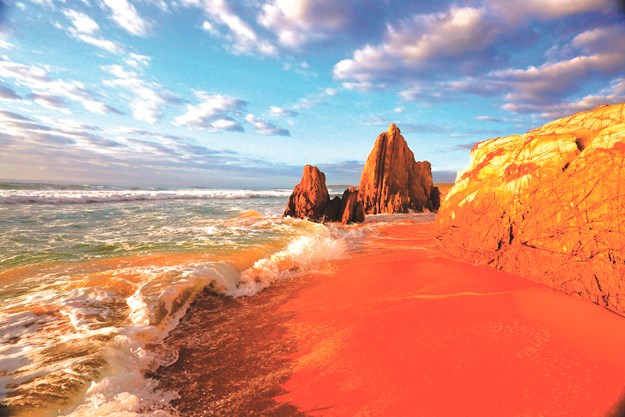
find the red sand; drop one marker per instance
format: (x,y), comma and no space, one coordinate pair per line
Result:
(401,330)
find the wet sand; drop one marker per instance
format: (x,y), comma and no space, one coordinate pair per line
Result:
(399,329)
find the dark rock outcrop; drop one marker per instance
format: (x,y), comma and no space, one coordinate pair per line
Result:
(310,200)
(392,180)
(548,205)
(351,209)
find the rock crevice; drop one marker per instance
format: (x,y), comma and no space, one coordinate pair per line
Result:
(549,205)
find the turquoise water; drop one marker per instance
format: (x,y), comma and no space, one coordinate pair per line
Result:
(92,279)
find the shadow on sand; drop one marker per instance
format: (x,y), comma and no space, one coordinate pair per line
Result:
(234,355)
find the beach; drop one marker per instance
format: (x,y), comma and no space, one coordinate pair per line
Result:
(396,328)
(194,302)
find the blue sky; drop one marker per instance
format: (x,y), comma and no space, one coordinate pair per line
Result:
(241,93)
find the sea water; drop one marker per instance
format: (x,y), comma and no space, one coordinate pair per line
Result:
(93,278)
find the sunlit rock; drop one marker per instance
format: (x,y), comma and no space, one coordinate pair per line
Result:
(549,204)
(392,181)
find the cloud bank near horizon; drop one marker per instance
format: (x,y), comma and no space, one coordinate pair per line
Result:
(237,90)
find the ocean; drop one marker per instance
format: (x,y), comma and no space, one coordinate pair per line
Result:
(94,278)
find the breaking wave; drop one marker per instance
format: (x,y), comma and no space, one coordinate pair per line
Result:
(83,196)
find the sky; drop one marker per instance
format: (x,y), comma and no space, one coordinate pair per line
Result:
(225,93)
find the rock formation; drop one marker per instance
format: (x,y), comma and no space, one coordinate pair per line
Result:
(310,197)
(351,210)
(392,181)
(310,200)
(549,205)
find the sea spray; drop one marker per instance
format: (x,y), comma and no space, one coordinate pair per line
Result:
(303,254)
(88,293)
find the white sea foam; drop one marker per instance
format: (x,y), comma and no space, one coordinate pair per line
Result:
(100,196)
(104,329)
(120,334)
(307,253)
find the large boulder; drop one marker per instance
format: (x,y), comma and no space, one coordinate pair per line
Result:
(392,181)
(549,205)
(310,197)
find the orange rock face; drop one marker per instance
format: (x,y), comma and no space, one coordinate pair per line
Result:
(549,205)
(310,197)
(392,181)
(351,210)
(310,200)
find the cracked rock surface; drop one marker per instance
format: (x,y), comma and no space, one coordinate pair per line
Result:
(549,205)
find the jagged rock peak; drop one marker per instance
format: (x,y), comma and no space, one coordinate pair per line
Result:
(310,197)
(392,180)
(392,130)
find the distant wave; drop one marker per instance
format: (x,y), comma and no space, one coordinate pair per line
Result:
(100,196)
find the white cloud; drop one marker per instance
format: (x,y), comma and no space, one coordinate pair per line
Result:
(282,112)
(100,43)
(297,23)
(84,28)
(242,36)
(4,44)
(81,22)
(147,100)
(459,39)
(206,25)
(127,17)
(137,60)
(614,94)
(214,112)
(47,91)
(514,11)
(72,151)
(264,127)
(597,52)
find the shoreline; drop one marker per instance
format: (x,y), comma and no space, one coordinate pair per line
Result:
(397,329)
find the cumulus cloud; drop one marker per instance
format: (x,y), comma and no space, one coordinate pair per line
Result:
(241,35)
(147,99)
(215,112)
(297,23)
(613,94)
(552,88)
(461,38)
(598,54)
(127,17)
(264,127)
